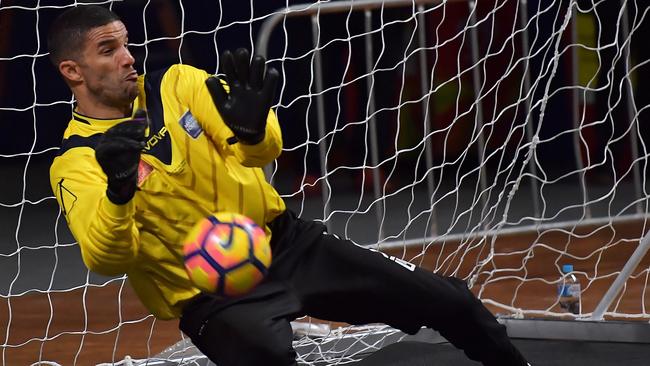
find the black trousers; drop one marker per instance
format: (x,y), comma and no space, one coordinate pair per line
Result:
(317,274)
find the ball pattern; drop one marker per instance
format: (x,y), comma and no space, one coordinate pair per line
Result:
(227,254)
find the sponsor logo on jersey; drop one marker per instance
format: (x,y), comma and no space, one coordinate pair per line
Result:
(144,169)
(190,125)
(155,138)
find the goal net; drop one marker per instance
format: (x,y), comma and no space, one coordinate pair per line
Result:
(492,140)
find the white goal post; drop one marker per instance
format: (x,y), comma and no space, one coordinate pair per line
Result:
(493,140)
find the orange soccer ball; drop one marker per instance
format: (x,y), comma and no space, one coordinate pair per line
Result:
(227,254)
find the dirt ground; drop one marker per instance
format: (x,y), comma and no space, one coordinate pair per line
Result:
(75,336)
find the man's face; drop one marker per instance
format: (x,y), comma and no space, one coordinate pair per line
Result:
(107,65)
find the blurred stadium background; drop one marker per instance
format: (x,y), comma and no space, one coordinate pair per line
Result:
(51,308)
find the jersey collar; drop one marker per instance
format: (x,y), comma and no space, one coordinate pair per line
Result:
(106,122)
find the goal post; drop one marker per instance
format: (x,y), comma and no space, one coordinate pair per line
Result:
(490,140)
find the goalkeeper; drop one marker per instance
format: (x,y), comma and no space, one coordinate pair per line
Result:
(131,184)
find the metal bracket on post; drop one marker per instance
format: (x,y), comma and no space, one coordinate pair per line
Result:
(613,291)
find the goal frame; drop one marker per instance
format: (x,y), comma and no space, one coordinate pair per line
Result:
(590,329)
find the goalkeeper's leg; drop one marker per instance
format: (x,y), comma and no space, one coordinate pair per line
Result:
(340,281)
(252,330)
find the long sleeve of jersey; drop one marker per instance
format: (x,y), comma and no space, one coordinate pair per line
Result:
(190,84)
(106,232)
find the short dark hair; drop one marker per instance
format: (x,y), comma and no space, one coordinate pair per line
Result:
(68,31)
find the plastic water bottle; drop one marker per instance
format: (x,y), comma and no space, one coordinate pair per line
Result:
(569,290)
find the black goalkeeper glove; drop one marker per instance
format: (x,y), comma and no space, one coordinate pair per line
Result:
(118,153)
(246,107)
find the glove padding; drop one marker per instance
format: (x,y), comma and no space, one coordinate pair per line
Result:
(246,107)
(118,153)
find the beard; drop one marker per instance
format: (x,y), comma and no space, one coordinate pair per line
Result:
(119,94)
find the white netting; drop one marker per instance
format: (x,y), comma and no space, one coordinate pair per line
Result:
(495,141)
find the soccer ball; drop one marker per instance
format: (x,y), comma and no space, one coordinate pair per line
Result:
(227,254)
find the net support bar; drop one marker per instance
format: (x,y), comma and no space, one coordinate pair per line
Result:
(331,7)
(575,98)
(517,230)
(372,120)
(619,282)
(588,331)
(525,46)
(426,86)
(632,111)
(320,109)
(478,85)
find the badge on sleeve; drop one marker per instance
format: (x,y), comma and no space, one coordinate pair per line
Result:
(190,125)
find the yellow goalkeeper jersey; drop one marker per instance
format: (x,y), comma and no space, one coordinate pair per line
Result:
(187,171)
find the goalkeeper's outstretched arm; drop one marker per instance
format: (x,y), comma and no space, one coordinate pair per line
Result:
(236,114)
